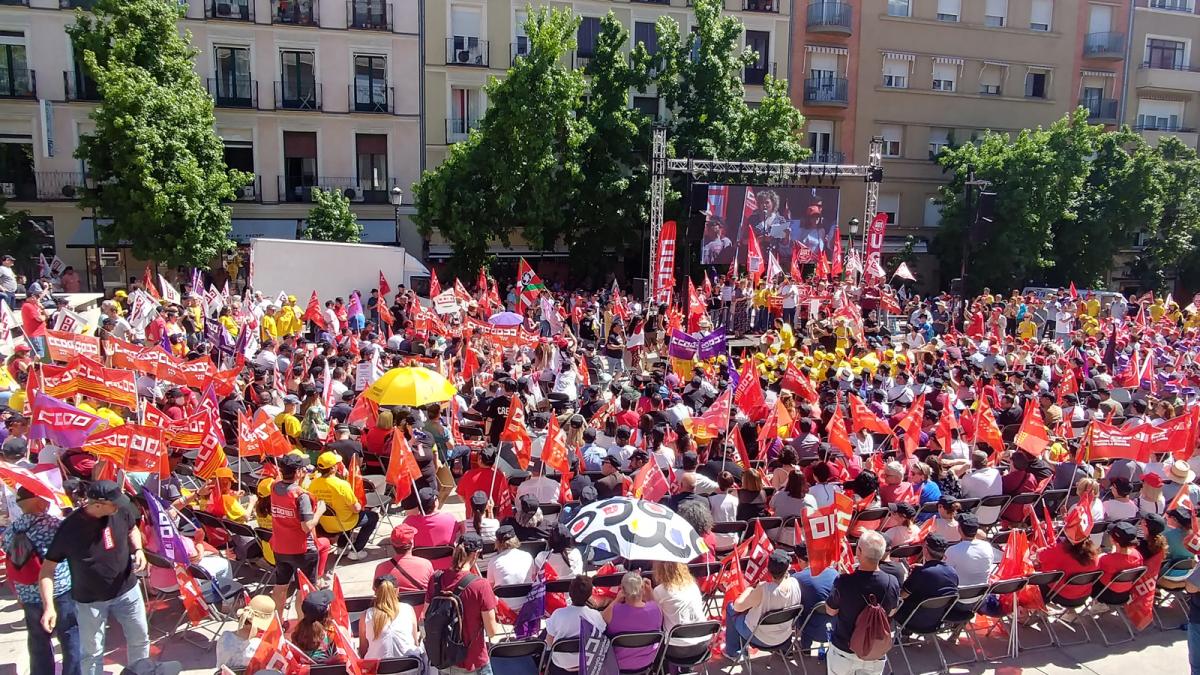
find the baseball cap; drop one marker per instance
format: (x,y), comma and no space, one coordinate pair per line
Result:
(104,490)
(609,459)
(8,258)
(1125,533)
(316,604)
(328,460)
(1122,486)
(946,501)
(968,522)
(905,509)
(936,543)
(291,398)
(264,488)
(15,446)
(403,535)
(291,461)
(479,500)
(1155,524)
(779,561)
(471,542)
(1152,480)
(506,532)
(529,503)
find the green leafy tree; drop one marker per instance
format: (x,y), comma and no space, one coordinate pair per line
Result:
(156,163)
(1172,238)
(330,218)
(519,171)
(772,131)
(21,237)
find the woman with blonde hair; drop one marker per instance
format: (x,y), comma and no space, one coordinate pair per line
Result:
(388,629)
(678,597)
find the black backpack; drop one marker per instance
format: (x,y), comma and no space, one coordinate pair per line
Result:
(444,643)
(24,562)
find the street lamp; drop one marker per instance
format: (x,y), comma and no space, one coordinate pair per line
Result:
(854,223)
(397,198)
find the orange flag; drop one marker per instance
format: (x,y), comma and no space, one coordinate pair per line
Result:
(987,431)
(554,452)
(836,429)
(517,433)
(1033,436)
(947,423)
(911,425)
(356,480)
(402,467)
(861,418)
(192,596)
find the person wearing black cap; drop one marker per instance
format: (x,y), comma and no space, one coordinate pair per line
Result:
(478,604)
(485,477)
(511,565)
(971,558)
(614,483)
(37,526)
(529,521)
(1124,556)
(742,615)
(1153,546)
(313,633)
(294,517)
(933,579)
(103,548)
(343,445)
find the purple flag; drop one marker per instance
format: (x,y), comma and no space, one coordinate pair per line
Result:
(683,345)
(595,651)
(165,539)
(355,307)
(60,423)
(529,619)
(713,344)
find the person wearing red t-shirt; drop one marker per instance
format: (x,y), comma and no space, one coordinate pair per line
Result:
(478,603)
(411,573)
(1124,556)
(1070,558)
(33,322)
(490,480)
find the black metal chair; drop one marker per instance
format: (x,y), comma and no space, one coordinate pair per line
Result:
(356,606)
(970,598)
(694,650)
(1002,588)
(941,604)
(786,615)
(1057,607)
(873,516)
(635,641)
(986,505)
(1129,576)
(514,650)
(563,646)
(1045,581)
(818,613)
(433,552)
(728,530)
(1162,595)
(256,562)
(400,665)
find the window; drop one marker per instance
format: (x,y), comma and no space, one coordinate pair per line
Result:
(370,83)
(589,30)
(17,178)
(995,13)
(889,203)
(891,140)
(299,164)
(1037,84)
(464,113)
(760,42)
(820,140)
(233,76)
(299,82)
(371,160)
(1091,97)
(1172,5)
(1167,54)
(895,73)
(14,66)
(240,155)
(822,68)
(647,105)
(521,40)
(933,212)
(1160,115)
(1040,14)
(465,21)
(944,76)
(991,79)
(899,8)
(464,46)
(644,32)
(949,10)
(1099,18)
(938,139)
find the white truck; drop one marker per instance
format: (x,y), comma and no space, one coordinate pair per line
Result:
(332,269)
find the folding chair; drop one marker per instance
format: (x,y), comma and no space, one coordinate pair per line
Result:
(155,560)
(968,504)
(236,529)
(208,520)
(400,665)
(928,508)
(770,525)
(693,653)
(515,650)
(214,610)
(331,669)
(635,641)
(343,542)
(872,517)
(550,508)
(1002,588)
(941,604)
(508,592)
(356,606)
(1161,595)
(1056,601)
(786,615)
(991,507)
(734,529)
(1054,500)
(819,612)
(1024,499)
(1043,580)
(563,646)
(970,598)
(433,553)
(906,552)
(1128,576)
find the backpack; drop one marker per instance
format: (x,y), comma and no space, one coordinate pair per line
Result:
(24,561)
(444,643)
(872,636)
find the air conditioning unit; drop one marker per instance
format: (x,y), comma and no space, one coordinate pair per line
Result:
(224,9)
(246,192)
(462,56)
(9,190)
(354,194)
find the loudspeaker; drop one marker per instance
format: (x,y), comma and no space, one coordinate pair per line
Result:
(956,286)
(699,197)
(639,287)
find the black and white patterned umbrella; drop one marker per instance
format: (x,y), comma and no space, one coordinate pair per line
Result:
(636,530)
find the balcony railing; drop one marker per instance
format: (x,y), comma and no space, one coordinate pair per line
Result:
(1101,45)
(294,96)
(758,74)
(831,17)
(1100,110)
(22,189)
(242,94)
(299,188)
(458,128)
(296,188)
(652,2)
(56,185)
(1176,128)
(466,51)
(295,12)
(1172,5)
(15,3)
(233,10)
(369,15)
(769,6)
(251,192)
(76,4)
(831,157)
(833,91)
(18,84)
(1149,65)
(581,61)
(371,99)
(79,87)
(516,50)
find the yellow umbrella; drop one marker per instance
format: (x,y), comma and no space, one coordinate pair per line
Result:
(411,386)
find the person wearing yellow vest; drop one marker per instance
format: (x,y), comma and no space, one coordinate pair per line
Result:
(344,513)
(269,328)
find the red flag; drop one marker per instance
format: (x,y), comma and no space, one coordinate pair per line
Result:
(910,424)
(276,653)
(925,530)
(342,640)
(529,284)
(313,311)
(748,396)
(754,257)
(946,425)
(836,264)
(836,428)
(1033,436)
(516,432)
(796,381)
(481,283)
(435,286)
(337,609)
(1074,293)
(470,363)
(192,596)
(715,420)
(822,269)
(708,289)
(756,550)
(1182,500)
(1077,525)
(554,452)
(649,483)
(384,286)
(861,418)
(585,375)
(354,477)
(402,467)
(696,308)
(148,283)
(987,430)
(824,530)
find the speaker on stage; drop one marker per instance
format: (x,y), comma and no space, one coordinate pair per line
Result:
(639,287)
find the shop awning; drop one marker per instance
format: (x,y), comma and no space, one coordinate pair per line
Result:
(244,229)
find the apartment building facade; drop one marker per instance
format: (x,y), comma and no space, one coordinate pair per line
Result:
(1163,96)
(308,93)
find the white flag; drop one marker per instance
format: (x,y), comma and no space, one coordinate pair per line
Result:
(69,322)
(638,339)
(141,309)
(853,263)
(169,293)
(212,301)
(281,299)
(904,273)
(773,268)
(57,266)
(8,321)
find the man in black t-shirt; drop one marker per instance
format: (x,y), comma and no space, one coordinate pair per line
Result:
(344,446)
(101,543)
(497,409)
(849,598)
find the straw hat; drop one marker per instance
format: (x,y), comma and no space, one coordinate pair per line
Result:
(258,613)
(1180,472)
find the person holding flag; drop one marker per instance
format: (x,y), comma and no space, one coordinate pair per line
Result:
(743,613)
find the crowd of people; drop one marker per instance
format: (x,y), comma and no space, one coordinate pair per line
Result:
(931,428)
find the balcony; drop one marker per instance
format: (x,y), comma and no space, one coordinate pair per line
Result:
(765,6)
(298,96)
(827,91)
(1102,110)
(1185,6)
(652,2)
(79,87)
(60,185)
(368,15)
(758,74)
(76,4)
(1152,135)
(299,189)
(19,188)
(831,157)
(231,10)
(368,99)
(240,94)
(18,84)
(580,61)
(1108,46)
(516,50)
(458,128)
(295,12)
(467,51)
(296,188)
(251,192)
(829,17)
(1169,76)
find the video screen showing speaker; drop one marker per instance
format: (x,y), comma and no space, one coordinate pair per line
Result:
(787,221)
